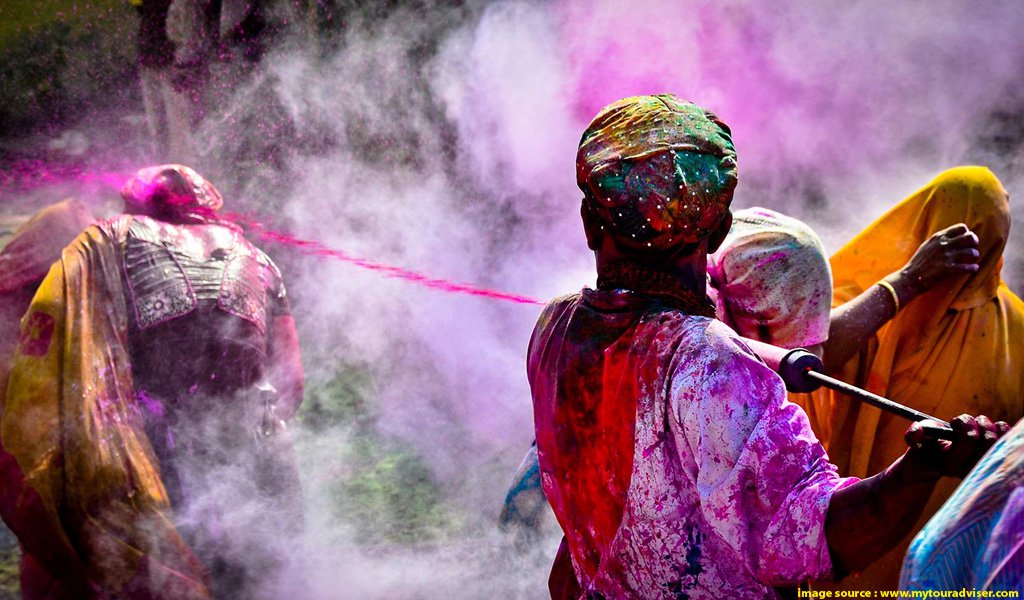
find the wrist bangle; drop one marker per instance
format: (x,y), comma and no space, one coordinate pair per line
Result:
(892,291)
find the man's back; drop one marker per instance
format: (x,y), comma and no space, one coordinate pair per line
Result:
(670,456)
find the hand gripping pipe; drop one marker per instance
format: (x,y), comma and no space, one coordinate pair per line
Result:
(801,371)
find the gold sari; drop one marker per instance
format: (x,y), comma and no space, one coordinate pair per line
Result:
(80,484)
(25,259)
(956,349)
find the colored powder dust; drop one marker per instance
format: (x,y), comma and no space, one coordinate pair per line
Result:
(29,175)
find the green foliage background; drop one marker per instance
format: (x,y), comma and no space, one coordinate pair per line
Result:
(382,488)
(58,59)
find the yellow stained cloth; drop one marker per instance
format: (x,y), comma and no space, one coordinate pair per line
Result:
(92,494)
(24,261)
(955,349)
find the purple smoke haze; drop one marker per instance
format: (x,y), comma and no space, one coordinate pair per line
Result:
(442,138)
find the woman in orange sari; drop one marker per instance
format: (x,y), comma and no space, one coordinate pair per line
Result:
(955,349)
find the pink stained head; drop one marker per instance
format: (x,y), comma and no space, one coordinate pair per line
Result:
(172,193)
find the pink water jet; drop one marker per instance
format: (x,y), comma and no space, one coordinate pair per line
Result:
(27,175)
(313,248)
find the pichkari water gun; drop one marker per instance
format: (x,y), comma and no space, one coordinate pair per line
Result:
(803,372)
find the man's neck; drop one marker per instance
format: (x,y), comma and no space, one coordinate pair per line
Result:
(689,270)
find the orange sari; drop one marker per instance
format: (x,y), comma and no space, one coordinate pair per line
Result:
(79,483)
(955,349)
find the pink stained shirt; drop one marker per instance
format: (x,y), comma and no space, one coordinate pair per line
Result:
(670,455)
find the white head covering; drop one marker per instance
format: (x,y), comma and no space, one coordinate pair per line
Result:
(771,280)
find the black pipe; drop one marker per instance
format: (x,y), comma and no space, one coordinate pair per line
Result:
(942,432)
(801,372)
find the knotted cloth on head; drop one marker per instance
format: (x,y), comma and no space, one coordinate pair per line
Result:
(773,280)
(656,171)
(173,193)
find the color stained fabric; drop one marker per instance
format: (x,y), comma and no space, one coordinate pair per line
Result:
(772,280)
(669,453)
(525,504)
(28,255)
(656,172)
(84,493)
(976,540)
(25,260)
(173,193)
(955,349)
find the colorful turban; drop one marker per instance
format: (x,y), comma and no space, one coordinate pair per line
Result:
(173,193)
(772,279)
(656,171)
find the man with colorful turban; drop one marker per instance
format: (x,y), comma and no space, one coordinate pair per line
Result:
(667,449)
(145,410)
(770,281)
